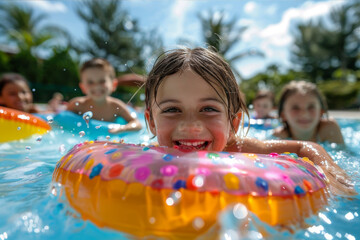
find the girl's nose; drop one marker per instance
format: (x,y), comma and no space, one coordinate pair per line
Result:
(191,126)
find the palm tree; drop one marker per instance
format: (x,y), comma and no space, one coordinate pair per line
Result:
(22,27)
(114,35)
(224,36)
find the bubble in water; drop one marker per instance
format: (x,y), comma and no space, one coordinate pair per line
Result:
(39,138)
(62,148)
(82,133)
(28,148)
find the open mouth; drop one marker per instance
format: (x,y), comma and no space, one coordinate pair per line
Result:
(188,146)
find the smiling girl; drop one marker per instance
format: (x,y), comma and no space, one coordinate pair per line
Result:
(301,110)
(193,103)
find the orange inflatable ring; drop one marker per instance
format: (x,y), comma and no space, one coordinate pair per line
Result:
(162,192)
(16,125)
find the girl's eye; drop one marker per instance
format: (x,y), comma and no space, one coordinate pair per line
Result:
(171,110)
(311,107)
(209,109)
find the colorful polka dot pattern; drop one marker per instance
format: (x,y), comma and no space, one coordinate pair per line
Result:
(165,168)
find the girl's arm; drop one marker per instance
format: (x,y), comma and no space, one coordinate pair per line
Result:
(340,182)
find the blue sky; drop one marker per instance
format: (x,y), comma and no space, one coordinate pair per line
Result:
(270,22)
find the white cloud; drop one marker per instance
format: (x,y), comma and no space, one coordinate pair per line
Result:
(279,34)
(49,6)
(250,8)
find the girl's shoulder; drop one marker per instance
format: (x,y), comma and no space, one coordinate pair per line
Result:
(329,130)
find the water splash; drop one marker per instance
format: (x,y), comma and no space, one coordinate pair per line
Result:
(87,116)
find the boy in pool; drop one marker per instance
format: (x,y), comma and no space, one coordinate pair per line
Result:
(193,103)
(301,108)
(98,82)
(263,105)
(15,93)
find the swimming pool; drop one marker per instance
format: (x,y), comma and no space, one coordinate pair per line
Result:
(30,208)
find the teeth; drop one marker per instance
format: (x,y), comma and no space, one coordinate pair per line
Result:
(194,144)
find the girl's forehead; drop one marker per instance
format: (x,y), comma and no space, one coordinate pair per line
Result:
(301,97)
(190,83)
(17,85)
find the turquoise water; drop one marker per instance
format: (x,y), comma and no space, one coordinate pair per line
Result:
(30,208)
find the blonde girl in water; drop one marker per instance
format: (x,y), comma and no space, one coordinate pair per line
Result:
(193,103)
(303,112)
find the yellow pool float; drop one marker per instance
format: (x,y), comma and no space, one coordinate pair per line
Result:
(162,192)
(16,125)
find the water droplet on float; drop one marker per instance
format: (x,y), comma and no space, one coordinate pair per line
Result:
(152,220)
(198,223)
(81,133)
(240,211)
(77,104)
(18,128)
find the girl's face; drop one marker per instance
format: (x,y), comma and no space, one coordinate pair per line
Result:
(97,83)
(262,107)
(302,112)
(189,114)
(17,95)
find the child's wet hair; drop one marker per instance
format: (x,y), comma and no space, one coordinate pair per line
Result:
(261,94)
(302,87)
(100,63)
(207,64)
(7,78)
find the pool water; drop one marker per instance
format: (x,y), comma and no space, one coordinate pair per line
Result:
(30,208)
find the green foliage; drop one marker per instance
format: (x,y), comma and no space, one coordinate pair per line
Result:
(60,73)
(340,95)
(224,36)
(22,27)
(26,64)
(4,62)
(113,35)
(321,50)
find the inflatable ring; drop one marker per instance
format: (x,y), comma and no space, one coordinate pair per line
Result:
(164,192)
(16,125)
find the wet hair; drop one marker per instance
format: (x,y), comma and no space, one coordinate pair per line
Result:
(265,94)
(7,78)
(207,64)
(99,63)
(302,87)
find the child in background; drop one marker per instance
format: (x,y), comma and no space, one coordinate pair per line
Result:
(15,93)
(97,82)
(301,110)
(263,104)
(193,103)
